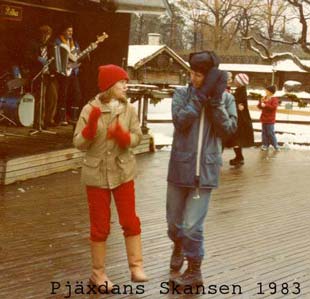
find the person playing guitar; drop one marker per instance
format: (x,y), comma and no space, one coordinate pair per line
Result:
(69,88)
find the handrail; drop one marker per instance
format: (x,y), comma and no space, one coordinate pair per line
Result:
(295,122)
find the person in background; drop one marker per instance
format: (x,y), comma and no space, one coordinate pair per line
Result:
(69,86)
(37,55)
(269,104)
(108,128)
(229,81)
(200,121)
(244,136)
(230,106)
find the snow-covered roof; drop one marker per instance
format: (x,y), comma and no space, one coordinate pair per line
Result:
(140,54)
(280,66)
(236,67)
(290,66)
(137,53)
(292,83)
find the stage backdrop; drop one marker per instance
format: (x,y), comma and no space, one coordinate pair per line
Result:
(19,21)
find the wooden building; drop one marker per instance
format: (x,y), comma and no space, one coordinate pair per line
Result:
(287,70)
(156,64)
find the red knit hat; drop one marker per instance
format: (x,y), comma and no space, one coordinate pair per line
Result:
(109,74)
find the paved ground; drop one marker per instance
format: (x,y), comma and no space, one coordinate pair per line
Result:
(257,232)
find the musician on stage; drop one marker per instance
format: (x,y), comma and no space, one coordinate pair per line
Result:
(37,55)
(69,86)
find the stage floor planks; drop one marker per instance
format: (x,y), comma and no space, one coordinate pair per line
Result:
(24,156)
(257,230)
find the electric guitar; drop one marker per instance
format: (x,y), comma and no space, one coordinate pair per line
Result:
(73,59)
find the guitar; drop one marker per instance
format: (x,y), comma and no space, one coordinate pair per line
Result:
(74,58)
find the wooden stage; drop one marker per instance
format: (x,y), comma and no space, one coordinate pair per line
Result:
(257,231)
(24,156)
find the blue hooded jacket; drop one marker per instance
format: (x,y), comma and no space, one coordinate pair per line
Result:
(219,122)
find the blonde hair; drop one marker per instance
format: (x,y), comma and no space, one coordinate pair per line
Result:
(106,95)
(45,29)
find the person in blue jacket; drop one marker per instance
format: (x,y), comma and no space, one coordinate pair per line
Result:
(200,121)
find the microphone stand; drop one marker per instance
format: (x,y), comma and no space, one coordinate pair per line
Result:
(2,115)
(42,97)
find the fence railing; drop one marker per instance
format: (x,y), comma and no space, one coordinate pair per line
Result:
(294,122)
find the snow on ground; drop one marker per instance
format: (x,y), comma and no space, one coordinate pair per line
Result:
(290,133)
(282,93)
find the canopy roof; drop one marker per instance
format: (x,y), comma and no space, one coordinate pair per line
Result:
(141,6)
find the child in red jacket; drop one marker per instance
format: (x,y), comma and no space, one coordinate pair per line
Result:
(268,104)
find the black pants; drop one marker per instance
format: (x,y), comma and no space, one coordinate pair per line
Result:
(49,100)
(69,93)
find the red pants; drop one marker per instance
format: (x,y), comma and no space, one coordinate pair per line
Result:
(99,200)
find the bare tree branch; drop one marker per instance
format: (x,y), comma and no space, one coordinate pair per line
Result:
(303,21)
(280,41)
(264,57)
(275,56)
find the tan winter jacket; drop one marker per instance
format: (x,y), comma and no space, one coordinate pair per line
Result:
(106,165)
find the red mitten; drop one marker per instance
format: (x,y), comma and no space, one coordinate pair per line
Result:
(121,136)
(89,132)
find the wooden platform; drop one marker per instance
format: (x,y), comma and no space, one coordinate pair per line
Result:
(257,231)
(23,156)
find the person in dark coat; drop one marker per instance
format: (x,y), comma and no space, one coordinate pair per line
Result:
(37,55)
(244,136)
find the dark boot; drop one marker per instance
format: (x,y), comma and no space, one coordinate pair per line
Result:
(177,258)
(238,160)
(192,275)
(63,117)
(74,114)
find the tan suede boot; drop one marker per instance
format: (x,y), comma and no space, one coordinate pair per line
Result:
(135,261)
(98,276)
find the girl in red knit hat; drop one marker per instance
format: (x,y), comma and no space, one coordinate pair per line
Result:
(107,129)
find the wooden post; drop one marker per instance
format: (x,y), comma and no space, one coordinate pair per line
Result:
(139,108)
(144,127)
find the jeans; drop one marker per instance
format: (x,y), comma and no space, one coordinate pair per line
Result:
(185,218)
(269,136)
